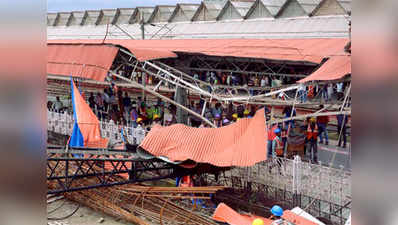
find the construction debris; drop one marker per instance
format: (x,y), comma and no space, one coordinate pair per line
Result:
(146,205)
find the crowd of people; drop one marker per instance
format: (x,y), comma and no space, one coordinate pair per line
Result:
(315,129)
(217,78)
(327,92)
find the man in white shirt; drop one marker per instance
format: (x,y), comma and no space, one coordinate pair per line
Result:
(340,92)
(263,82)
(302,93)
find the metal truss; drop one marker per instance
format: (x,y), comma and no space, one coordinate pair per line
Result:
(66,169)
(208,92)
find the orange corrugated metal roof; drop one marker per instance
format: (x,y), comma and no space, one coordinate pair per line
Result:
(240,144)
(87,61)
(225,214)
(334,68)
(311,50)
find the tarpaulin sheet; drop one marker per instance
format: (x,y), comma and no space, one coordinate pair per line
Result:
(86,61)
(310,50)
(334,68)
(225,214)
(240,144)
(86,128)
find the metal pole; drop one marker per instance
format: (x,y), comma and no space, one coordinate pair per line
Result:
(142,31)
(143,81)
(142,26)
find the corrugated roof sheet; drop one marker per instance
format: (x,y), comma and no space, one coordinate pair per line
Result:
(93,17)
(346,4)
(142,12)
(309,5)
(225,214)
(312,27)
(63,18)
(310,50)
(258,10)
(51,18)
(229,11)
(291,8)
(125,15)
(329,7)
(78,60)
(109,16)
(239,144)
(207,11)
(77,18)
(334,68)
(184,12)
(242,7)
(273,6)
(162,13)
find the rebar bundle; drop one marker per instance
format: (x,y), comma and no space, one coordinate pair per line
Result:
(145,205)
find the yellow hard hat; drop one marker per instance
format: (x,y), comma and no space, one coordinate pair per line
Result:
(313,119)
(246,112)
(258,222)
(156,116)
(139,119)
(235,115)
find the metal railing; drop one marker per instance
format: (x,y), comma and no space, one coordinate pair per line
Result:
(323,191)
(62,123)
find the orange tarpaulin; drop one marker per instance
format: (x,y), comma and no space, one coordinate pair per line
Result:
(87,125)
(310,49)
(225,214)
(86,61)
(240,144)
(334,68)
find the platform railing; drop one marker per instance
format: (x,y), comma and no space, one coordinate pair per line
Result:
(62,123)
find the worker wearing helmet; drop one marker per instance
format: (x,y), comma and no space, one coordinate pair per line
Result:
(156,120)
(246,113)
(312,139)
(258,221)
(140,131)
(276,216)
(235,117)
(277,144)
(277,150)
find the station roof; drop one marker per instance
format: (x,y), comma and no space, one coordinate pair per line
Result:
(334,68)
(304,50)
(78,60)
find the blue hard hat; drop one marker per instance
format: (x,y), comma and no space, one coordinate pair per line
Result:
(276,210)
(277,130)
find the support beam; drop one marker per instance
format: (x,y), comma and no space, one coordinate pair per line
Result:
(240,71)
(165,99)
(310,115)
